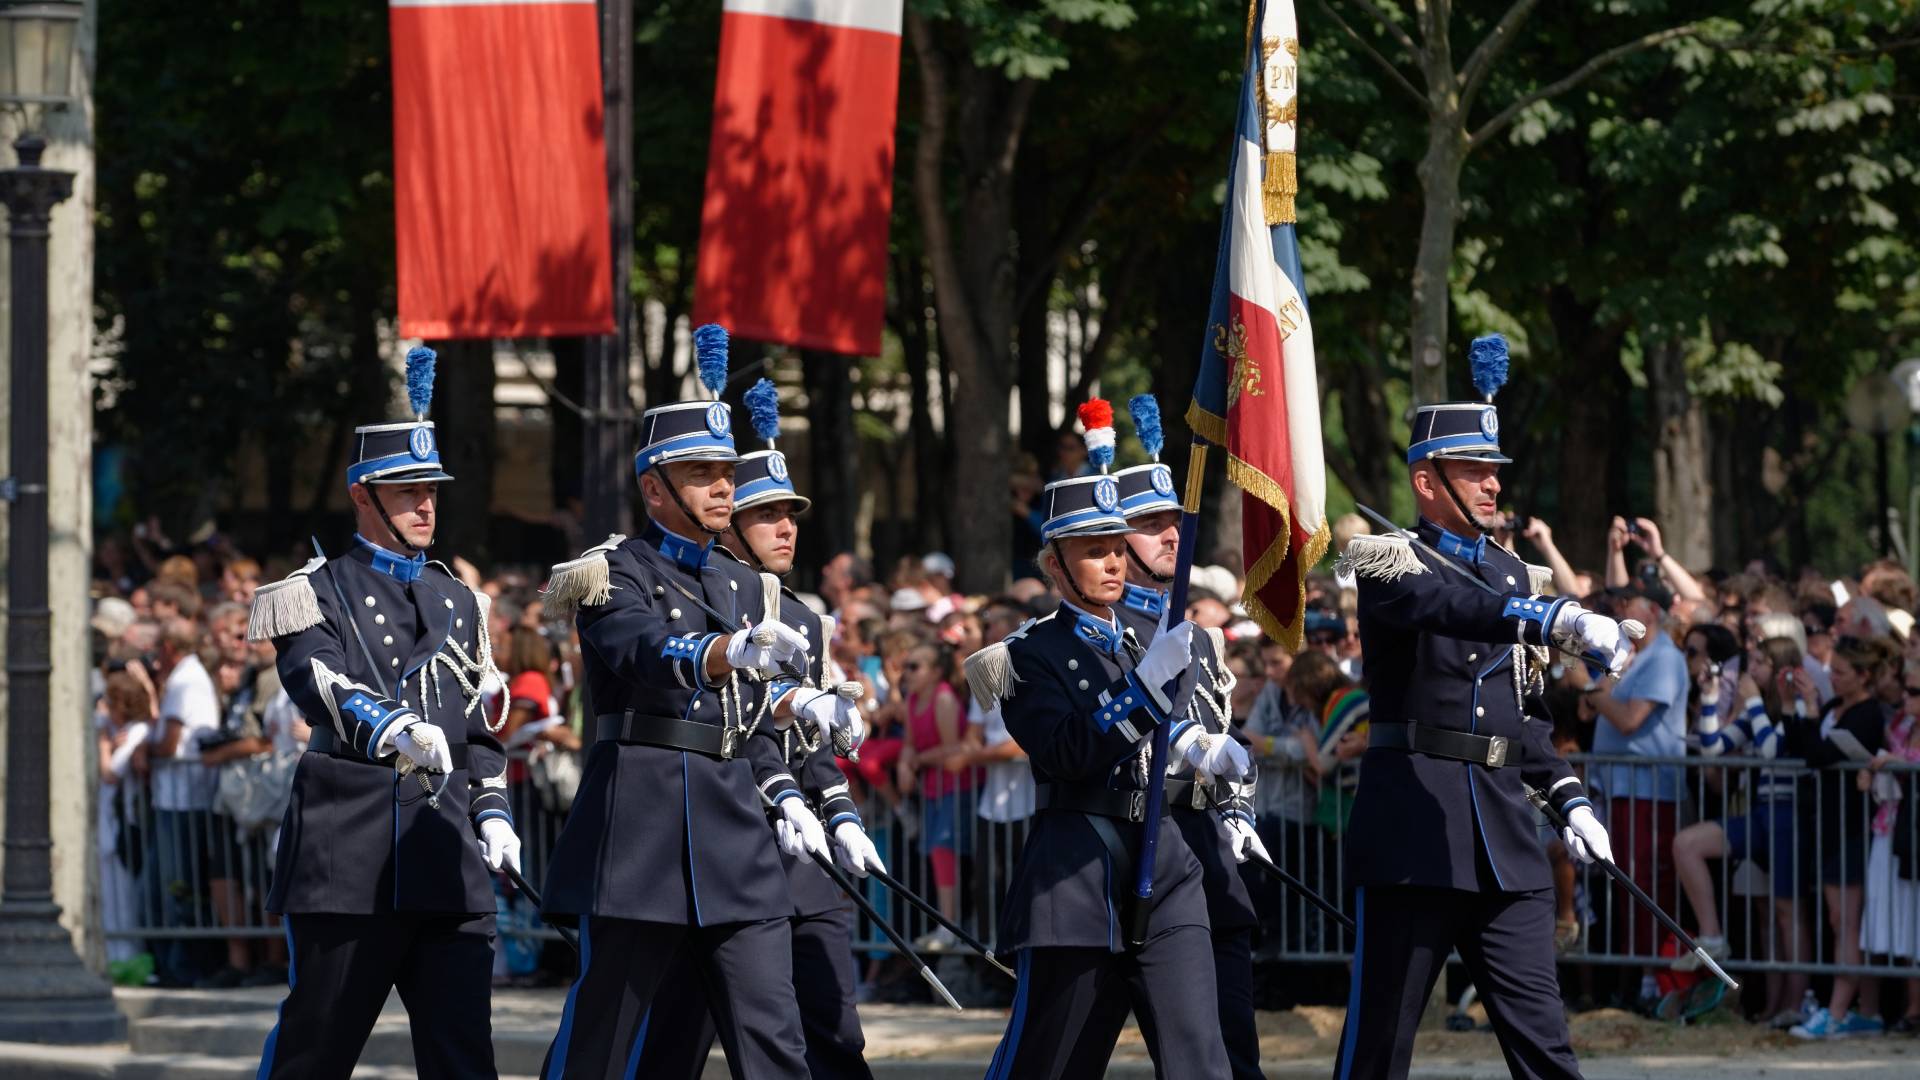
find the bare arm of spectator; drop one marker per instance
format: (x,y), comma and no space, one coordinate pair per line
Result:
(1617,555)
(105,740)
(1565,581)
(1625,716)
(1683,582)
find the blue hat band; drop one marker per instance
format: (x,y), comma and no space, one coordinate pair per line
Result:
(1089,522)
(764,489)
(1451,444)
(368,471)
(1146,502)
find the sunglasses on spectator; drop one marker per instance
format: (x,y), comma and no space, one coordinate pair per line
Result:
(1325,639)
(1913,691)
(912,666)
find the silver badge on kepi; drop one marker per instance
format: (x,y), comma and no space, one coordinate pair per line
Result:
(420,443)
(1489,423)
(717,420)
(1106,494)
(1162,479)
(777,466)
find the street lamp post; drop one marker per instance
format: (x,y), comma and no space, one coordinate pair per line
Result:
(46,993)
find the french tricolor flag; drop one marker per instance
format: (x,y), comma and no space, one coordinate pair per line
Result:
(1258,394)
(793,235)
(500,169)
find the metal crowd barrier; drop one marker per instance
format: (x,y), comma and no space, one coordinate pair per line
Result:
(1792,889)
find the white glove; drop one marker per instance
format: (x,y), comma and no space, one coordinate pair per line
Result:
(499,844)
(853,850)
(1170,655)
(1594,634)
(784,644)
(426,746)
(1218,755)
(1586,838)
(799,830)
(1245,841)
(830,712)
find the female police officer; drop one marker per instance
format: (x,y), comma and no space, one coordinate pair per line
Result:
(1081,696)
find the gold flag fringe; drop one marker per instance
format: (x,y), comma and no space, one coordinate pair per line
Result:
(1277,190)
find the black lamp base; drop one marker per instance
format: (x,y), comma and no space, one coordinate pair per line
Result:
(46,994)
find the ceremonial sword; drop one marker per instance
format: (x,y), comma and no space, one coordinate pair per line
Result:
(933,913)
(899,942)
(527,890)
(1554,818)
(1300,887)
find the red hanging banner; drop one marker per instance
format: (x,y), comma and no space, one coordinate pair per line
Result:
(500,176)
(793,236)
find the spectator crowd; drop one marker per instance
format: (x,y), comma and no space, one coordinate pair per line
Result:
(1754,764)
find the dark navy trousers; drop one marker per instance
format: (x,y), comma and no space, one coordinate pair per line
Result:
(340,969)
(1072,1003)
(680,1034)
(743,970)
(1233,983)
(1506,941)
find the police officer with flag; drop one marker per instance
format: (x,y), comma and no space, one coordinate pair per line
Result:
(1443,845)
(763,535)
(399,806)
(1081,693)
(1214,814)
(667,846)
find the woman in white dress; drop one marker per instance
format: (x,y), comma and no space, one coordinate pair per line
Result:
(121,725)
(1890,925)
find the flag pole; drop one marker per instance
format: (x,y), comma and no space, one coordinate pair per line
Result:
(1157,760)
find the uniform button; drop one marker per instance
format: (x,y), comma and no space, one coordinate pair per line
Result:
(674,613)
(1472,656)
(1128,700)
(458,623)
(696,704)
(395,662)
(1083,684)
(449,603)
(659,590)
(388,640)
(1510,580)
(369,601)
(734,585)
(804,628)
(1479,710)
(1073,665)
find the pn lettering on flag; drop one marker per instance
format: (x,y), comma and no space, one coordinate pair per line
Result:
(500,175)
(1258,393)
(793,234)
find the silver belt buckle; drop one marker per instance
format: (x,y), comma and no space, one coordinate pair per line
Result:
(1137,806)
(728,737)
(1496,751)
(1200,793)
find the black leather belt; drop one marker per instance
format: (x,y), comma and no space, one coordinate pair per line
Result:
(1104,802)
(1488,750)
(666,732)
(1189,795)
(324,741)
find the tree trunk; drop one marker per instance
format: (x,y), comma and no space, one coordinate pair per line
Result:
(1440,216)
(463,414)
(834,451)
(1682,484)
(1035,367)
(972,274)
(1591,490)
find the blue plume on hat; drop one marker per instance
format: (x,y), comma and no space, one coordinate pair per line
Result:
(710,351)
(1488,359)
(763,409)
(1146,423)
(420,380)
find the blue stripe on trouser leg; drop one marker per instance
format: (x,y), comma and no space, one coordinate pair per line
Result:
(1353,993)
(639,1044)
(280,1017)
(1002,1064)
(557,1057)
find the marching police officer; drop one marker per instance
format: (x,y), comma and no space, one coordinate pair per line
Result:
(399,805)
(667,846)
(763,535)
(1082,695)
(1214,815)
(1442,843)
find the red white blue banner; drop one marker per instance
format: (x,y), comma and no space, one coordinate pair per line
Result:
(1258,395)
